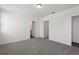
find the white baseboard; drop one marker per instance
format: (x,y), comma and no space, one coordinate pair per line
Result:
(62,42)
(8,42)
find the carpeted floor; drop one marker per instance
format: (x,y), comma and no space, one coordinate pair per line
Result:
(37,46)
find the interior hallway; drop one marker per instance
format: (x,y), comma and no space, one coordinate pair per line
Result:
(37,46)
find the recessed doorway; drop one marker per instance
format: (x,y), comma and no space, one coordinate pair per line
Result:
(32,31)
(46,29)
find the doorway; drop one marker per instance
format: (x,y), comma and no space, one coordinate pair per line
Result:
(32,31)
(46,29)
(75,31)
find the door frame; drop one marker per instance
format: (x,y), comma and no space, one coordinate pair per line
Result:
(47,29)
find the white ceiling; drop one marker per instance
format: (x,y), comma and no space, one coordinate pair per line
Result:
(32,11)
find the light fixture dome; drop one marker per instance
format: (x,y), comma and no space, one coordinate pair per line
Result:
(39,5)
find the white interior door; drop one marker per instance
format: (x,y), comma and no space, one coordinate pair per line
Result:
(75,29)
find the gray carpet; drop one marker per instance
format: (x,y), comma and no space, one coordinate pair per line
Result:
(37,46)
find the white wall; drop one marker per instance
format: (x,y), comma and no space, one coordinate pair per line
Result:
(14,27)
(41,29)
(38,27)
(60,29)
(75,29)
(60,25)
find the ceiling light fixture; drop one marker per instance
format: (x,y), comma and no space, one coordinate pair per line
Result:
(39,5)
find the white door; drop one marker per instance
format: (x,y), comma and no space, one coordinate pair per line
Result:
(75,29)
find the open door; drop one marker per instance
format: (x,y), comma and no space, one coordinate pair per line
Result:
(46,29)
(32,32)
